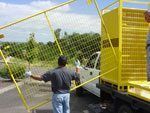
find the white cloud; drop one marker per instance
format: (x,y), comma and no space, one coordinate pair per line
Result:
(10,12)
(62,18)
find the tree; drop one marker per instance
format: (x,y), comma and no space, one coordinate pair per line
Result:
(32,49)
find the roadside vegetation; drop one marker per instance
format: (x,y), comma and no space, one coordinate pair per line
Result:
(33,53)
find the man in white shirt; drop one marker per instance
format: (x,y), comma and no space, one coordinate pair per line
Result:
(147,18)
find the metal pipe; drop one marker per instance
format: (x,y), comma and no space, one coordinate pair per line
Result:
(40,104)
(84,83)
(120,40)
(53,33)
(103,23)
(41,12)
(18,89)
(136,2)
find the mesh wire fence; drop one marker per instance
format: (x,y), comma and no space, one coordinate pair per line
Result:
(36,43)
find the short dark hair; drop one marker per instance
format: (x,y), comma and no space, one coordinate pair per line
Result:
(62,60)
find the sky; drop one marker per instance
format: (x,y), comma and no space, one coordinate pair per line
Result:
(76,17)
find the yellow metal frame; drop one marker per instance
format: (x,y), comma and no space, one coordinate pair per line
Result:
(120,9)
(141,88)
(29,108)
(18,89)
(120,42)
(39,13)
(53,33)
(136,2)
(93,79)
(103,23)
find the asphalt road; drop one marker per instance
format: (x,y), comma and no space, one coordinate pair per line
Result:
(11,103)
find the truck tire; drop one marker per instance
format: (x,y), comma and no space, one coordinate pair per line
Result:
(125,109)
(79,91)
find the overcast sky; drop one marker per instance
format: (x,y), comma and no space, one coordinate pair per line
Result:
(76,17)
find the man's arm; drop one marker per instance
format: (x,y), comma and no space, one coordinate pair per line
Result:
(37,78)
(29,74)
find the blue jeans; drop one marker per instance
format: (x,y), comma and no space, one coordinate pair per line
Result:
(60,103)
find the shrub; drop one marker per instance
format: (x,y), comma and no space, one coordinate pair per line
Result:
(17,71)
(3,72)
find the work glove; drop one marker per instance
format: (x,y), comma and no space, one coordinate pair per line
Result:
(77,63)
(28,74)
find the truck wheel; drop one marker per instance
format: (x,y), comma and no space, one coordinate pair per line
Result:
(79,91)
(125,109)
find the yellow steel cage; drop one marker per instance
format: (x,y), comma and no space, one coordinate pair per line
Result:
(126,35)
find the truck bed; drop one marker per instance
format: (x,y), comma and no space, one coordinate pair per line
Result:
(140,90)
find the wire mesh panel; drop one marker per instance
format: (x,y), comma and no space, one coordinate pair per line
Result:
(128,31)
(135,30)
(110,44)
(35,43)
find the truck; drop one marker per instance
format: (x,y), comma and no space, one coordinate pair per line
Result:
(121,63)
(89,71)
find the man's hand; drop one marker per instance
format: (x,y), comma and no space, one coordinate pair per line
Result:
(77,63)
(147,16)
(28,74)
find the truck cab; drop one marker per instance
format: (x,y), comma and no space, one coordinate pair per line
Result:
(91,70)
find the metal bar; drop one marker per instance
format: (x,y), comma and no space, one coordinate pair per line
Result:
(53,33)
(18,89)
(103,23)
(41,12)
(138,86)
(109,6)
(93,79)
(40,104)
(120,41)
(136,2)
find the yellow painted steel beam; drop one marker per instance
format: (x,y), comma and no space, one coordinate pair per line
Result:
(53,33)
(103,22)
(18,89)
(1,36)
(137,2)
(41,12)
(120,41)
(93,79)
(138,86)
(40,104)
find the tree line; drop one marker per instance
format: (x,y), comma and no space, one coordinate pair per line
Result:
(75,45)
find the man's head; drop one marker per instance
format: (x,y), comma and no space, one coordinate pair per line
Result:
(62,60)
(147,16)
